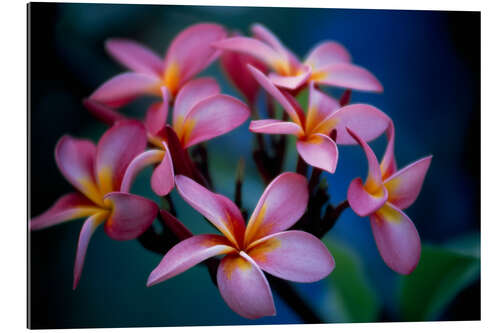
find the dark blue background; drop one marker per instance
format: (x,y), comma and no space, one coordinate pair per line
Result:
(428,63)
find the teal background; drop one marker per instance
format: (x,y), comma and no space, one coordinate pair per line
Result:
(429,65)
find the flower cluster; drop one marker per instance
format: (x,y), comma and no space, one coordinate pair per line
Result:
(282,236)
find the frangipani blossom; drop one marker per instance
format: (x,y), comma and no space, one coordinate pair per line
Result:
(200,113)
(329,63)
(323,116)
(97,172)
(383,196)
(189,53)
(262,245)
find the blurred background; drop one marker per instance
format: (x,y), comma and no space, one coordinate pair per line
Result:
(429,64)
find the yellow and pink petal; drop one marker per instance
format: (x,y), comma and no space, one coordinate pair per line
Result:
(348,76)
(283,203)
(244,287)
(187,254)
(293,255)
(397,238)
(320,151)
(273,126)
(327,53)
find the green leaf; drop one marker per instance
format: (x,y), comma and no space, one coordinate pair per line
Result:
(440,275)
(350,296)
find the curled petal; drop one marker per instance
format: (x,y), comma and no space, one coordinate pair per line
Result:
(191,94)
(365,120)
(252,47)
(327,53)
(348,76)
(70,206)
(141,161)
(262,33)
(319,151)
(227,219)
(373,182)
(283,203)
(363,202)
(212,117)
(296,115)
(272,126)
(115,150)
(75,158)
(397,239)
(388,164)
(130,216)
(293,255)
(102,112)
(187,254)
(405,185)
(244,287)
(135,56)
(156,116)
(89,226)
(124,88)
(162,180)
(321,107)
(291,82)
(191,51)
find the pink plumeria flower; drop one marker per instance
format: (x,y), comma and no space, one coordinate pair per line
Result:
(262,245)
(383,196)
(323,116)
(235,66)
(200,113)
(329,63)
(97,172)
(189,53)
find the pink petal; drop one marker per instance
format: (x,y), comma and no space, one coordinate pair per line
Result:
(297,117)
(348,76)
(293,255)
(244,287)
(253,48)
(363,202)
(88,229)
(388,164)
(291,82)
(367,121)
(321,107)
(262,33)
(273,126)
(374,179)
(214,116)
(135,56)
(123,88)
(191,94)
(283,203)
(156,116)
(162,180)
(235,66)
(140,162)
(320,151)
(327,53)
(191,51)
(102,112)
(118,146)
(397,239)
(404,186)
(223,214)
(75,158)
(187,254)
(68,207)
(130,216)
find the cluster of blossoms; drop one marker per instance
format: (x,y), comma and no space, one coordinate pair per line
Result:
(282,236)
